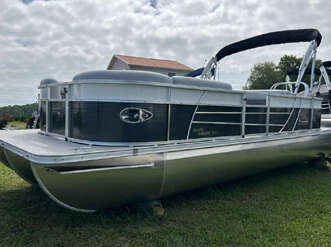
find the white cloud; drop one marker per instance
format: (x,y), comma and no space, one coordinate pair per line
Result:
(60,38)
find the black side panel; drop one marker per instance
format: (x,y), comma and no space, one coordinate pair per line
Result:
(288,110)
(57,117)
(256,109)
(100,121)
(229,118)
(219,116)
(278,118)
(275,128)
(255,115)
(316,119)
(228,114)
(290,124)
(207,108)
(181,116)
(254,129)
(256,118)
(304,119)
(43,116)
(214,130)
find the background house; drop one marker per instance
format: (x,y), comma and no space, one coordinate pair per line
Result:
(167,67)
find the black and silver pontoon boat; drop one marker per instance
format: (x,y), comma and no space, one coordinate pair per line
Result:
(109,138)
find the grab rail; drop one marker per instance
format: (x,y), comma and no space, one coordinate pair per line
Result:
(288,83)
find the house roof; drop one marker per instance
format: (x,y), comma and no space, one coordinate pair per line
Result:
(152,62)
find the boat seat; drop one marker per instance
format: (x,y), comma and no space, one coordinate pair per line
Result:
(48,81)
(259,97)
(196,82)
(256,97)
(122,75)
(146,76)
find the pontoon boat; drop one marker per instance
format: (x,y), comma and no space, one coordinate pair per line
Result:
(109,138)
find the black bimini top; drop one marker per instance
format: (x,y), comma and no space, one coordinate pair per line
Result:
(273,38)
(326,64)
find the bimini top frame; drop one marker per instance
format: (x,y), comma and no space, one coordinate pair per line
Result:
(295,72)
(325,72)
(281,37)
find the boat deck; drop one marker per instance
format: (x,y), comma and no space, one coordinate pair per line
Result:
(38,144)
(49,149)
(36,147)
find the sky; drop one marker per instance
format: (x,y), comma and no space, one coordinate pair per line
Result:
(60,38)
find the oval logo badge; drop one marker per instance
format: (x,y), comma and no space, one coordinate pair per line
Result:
(135,115)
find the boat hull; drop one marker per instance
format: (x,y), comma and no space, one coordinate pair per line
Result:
(3,158)
(95,184)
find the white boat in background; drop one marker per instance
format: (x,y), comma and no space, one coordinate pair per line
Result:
(109,138)
(324,91)
(318,88)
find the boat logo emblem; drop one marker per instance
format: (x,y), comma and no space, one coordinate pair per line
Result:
(135,115)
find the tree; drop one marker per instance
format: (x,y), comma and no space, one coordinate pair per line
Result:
(288,62)
(263,76)
(19,110)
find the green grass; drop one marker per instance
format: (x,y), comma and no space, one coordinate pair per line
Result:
(17,124)
(286,207)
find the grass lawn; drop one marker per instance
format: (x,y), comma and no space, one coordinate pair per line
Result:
(17,124)
(286,207)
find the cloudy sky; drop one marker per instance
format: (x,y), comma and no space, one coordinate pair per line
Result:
(60,38)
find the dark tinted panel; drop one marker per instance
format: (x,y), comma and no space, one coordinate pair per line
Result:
(280,110)
(275,128)
(316,119)
(214,130)
(43,115)
(232,118)
(290,124)
(256,109)
(57,117)
(181,116)
(278,118)
(304,119)
(254,129)
(100,121)
(256,118)
(219,109)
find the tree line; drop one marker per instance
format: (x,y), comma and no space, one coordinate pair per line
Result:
(16,113)
(264,75)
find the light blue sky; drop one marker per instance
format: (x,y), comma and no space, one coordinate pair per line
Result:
(60,38)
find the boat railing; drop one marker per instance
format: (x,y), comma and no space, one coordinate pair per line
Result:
(246,113)
(324,75)
(289,87)
(296,105)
